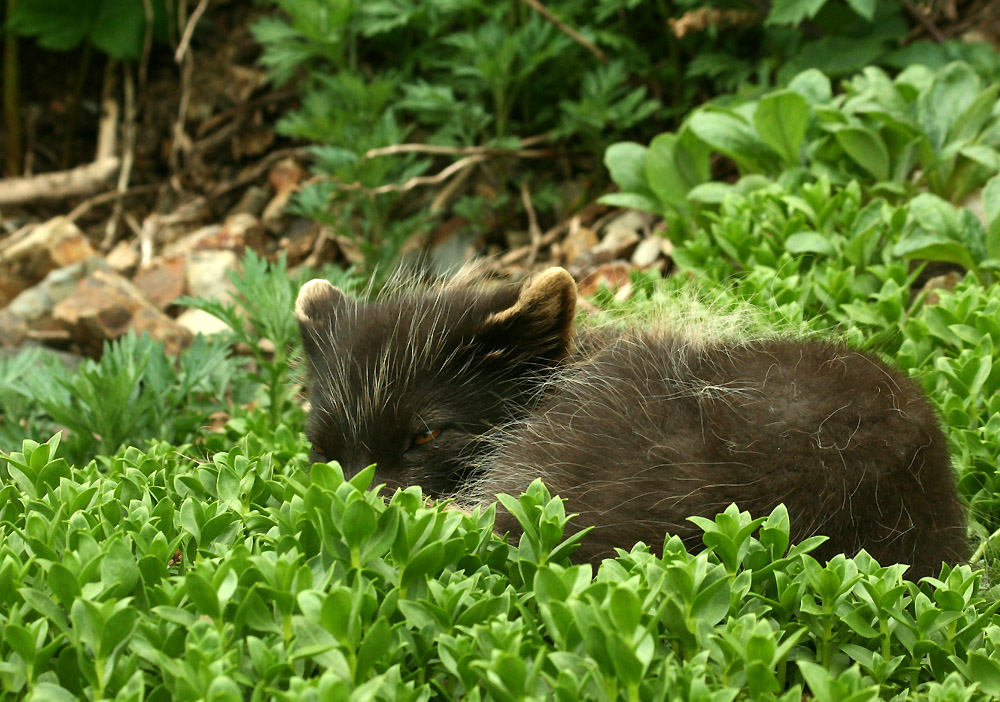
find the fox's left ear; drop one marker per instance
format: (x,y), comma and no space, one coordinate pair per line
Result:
(539,324)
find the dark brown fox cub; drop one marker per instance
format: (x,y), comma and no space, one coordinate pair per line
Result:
(468,393)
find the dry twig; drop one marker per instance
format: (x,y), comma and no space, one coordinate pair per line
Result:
(106,197)
(457,151)
(533,230)
(700,19)
(416,181)
(189,30)
(184,58)
(74,182)
(567,30)
(924,20)
(128,158)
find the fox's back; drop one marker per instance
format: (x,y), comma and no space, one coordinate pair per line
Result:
(652,430)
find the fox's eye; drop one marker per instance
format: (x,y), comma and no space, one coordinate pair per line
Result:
(426,437)
(317,456)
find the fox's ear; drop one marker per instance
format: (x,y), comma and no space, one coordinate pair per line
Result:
(316,308)
(539,324)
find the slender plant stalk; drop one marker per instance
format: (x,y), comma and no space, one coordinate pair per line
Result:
(13,131)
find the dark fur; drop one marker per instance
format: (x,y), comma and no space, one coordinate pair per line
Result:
(636,430)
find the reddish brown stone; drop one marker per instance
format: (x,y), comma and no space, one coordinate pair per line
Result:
(611,275)
(162,281)
(236,233)
(52,245)
(106,306)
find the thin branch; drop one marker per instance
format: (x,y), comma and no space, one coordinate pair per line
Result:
(567,30)
(110,196)
(82,180)
(533,230)
(147,43)
(128,158)
(180,136)
(923,19)
(457,151)
(545,239)
(189,30)
(416,181)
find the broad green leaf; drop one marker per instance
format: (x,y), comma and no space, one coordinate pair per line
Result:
(632,201)
(970,123)
(793,11)
(781,119)
(21,641)
(626,610)
(63,584)
(865,8)
(810,242)
(204,596)
(713,193)
(626,162)
(675,163)
(118,568)
(952,91)
(117,630)
(50,692)
(984,155)
(985,671)
(813,85)
(934,248)
(730,135)
(991,206)
(866,148)
(359,522)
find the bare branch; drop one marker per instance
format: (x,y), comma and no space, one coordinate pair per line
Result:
(567,30)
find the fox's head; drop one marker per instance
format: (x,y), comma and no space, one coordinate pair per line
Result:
(412,383)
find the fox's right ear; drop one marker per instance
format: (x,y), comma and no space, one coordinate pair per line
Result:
(539,325)
(316,308)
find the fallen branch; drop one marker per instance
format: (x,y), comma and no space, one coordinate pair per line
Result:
(110,196)
(473,155)
(414,182)
(76,182)
(457,151)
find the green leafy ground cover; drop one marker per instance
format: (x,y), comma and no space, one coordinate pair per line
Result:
(145,556)
(197,565)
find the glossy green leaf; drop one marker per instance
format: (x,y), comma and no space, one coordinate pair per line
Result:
(866,148)
(781,119)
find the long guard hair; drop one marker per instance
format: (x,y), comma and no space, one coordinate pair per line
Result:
(468,392)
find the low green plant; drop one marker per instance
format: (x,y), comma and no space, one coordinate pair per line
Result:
(134,393)
(260,319)
(935,131)
(449,76)
(154,576)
